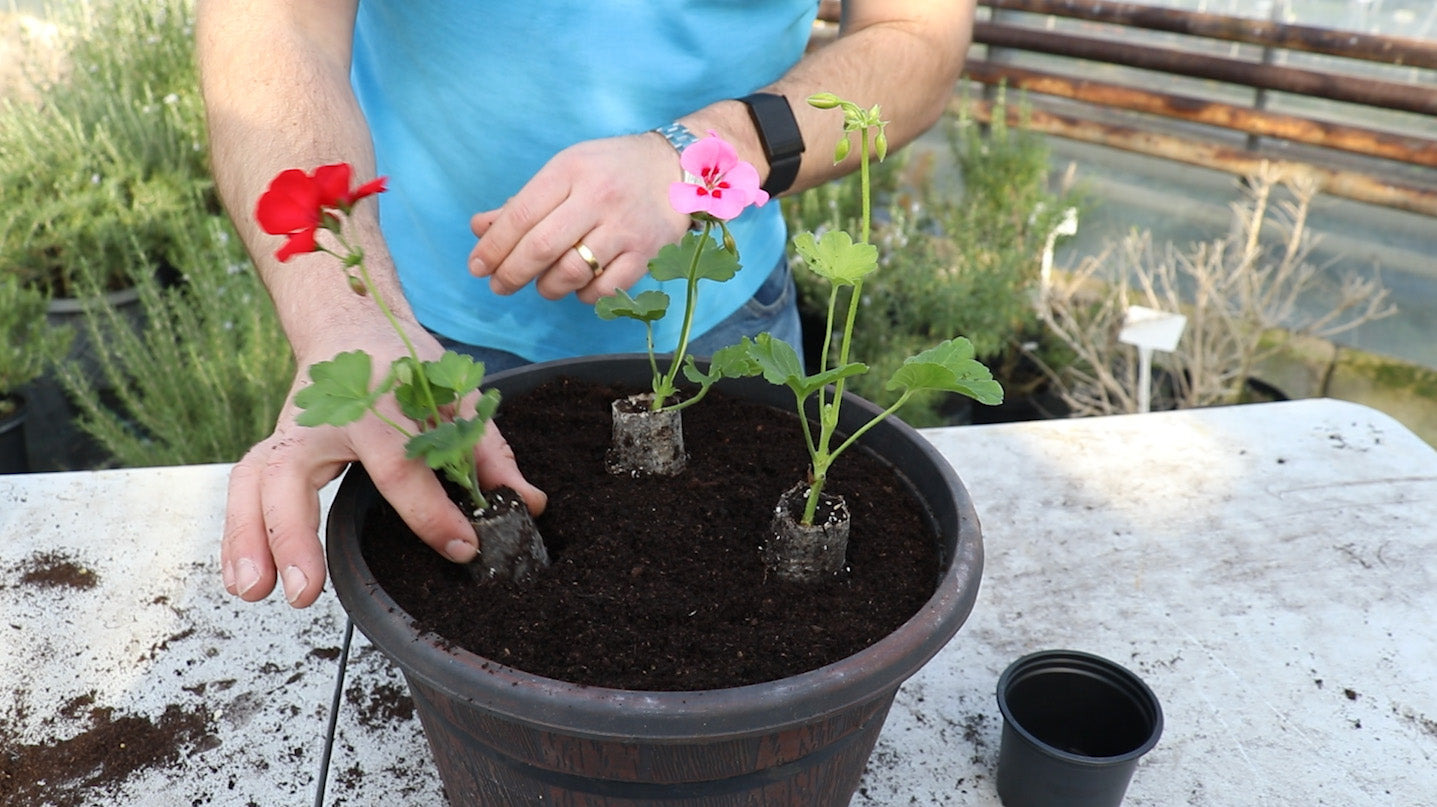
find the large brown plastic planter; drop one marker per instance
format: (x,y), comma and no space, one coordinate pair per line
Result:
(501,736)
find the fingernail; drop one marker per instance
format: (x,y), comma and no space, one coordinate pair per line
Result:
(246,574)
(295,582)
(459,551)
(477,268)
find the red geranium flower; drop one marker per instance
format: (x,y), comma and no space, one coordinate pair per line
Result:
(298,204)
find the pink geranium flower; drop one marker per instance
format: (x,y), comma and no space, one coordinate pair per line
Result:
(725,186)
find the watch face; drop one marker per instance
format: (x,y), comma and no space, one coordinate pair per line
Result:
(782,141)
(777,127)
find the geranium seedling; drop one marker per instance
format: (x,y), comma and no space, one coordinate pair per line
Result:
(949,366)
(648,430)
(299,206)
(429,393)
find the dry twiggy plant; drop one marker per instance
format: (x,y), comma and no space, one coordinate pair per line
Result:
(1240,294)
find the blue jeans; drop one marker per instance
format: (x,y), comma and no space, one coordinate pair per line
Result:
(773,308)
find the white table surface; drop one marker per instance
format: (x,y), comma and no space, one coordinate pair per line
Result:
(1270,570)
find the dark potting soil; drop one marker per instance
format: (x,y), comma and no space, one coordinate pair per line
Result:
(656,583)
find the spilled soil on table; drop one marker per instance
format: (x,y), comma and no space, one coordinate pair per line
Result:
(56,570)
(94,749)
(111,748)
(656,583)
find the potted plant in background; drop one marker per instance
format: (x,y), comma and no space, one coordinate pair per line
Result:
(1242,295)
(28,345)
(94,178)
(114,152)
(683,673)
(202,375)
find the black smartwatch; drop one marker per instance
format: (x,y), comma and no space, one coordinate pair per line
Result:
(781,139)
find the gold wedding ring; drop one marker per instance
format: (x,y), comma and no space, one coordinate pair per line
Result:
(588,256)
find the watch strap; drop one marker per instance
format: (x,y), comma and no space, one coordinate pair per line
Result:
(678,136)
(782,141)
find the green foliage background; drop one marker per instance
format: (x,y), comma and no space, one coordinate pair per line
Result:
(202,376)
(104,184)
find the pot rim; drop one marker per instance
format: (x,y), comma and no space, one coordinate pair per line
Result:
(667,715)
(63,306)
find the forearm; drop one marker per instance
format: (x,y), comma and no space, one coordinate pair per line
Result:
(905,62)
(277,95)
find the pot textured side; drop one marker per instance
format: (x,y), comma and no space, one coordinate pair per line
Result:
(487,759)
(501,736)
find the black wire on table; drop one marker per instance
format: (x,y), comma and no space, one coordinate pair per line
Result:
(333,713)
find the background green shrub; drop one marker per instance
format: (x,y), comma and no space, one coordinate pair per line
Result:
(202,377)
(113,151)
(104,184)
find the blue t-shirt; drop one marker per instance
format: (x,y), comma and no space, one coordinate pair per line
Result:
(467,99)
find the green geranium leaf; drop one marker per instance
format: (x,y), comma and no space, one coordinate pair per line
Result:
(835,257)
(649,306)
(457,372)
(339,393)
(780,364)
(447,444)
(673,260)
(411,396)
(950,367)
(733,361)
(488,405)
(450,444)
(777,360)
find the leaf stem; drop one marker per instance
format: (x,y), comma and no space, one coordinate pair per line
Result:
(828,409)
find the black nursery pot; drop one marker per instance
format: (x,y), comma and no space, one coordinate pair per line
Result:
(1074,727)
(13,457)
(501,736)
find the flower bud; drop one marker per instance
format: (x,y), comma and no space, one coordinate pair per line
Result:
(728,243)
(840,151)
(357,286)
(880,144)
(824,100)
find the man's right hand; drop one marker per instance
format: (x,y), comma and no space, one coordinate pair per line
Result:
(272,518)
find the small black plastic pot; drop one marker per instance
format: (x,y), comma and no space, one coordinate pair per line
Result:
(1074,727)
(501,736)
